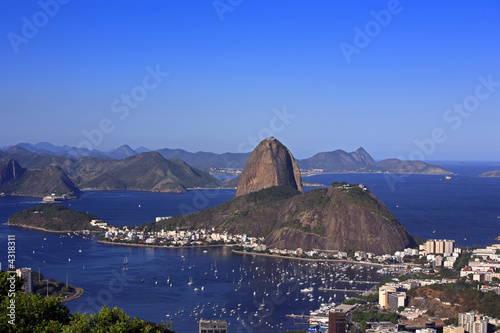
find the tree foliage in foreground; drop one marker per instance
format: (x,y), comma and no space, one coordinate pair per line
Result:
(362,317)
(36,313)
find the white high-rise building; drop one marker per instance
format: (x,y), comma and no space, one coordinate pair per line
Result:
(25,274)
(473,322)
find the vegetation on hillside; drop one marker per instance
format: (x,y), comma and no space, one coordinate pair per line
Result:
(148,172)
(234,215)
(16,180)
(364,315)
(51,287)
(288,218)
(466,295)
(54,217)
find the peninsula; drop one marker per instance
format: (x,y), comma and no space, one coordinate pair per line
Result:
(493,173)
(39,182)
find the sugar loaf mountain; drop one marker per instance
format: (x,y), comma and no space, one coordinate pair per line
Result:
(41,169)
(269,202)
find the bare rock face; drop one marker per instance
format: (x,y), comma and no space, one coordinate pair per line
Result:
(10,171)
(270,164)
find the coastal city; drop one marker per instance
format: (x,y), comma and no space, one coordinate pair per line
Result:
(393,304)
(432,287)
(233,166)
(436,264)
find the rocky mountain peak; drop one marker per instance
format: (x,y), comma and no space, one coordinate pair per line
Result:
(10,171)
(270,164)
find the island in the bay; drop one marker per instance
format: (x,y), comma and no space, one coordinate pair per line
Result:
(493,173)
(56,218)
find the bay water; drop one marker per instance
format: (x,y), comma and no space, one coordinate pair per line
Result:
(252,293)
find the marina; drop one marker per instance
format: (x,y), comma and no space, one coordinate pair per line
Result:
(250,291)
(246,291)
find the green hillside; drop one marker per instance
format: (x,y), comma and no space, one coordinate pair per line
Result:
(148,172)
(337,218)
(54,217)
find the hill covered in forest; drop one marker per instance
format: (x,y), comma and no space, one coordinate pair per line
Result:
(54,217)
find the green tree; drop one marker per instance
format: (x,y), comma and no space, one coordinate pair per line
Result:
(112,320)
(34,313)
(38,313)
(462,261)
(5,283)
(419,240)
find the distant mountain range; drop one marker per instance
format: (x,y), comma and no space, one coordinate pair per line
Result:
(146,172)
(44,153)
(47,174)
(16,180)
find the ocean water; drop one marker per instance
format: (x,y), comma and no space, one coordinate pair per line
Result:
(255,292)
(465,208)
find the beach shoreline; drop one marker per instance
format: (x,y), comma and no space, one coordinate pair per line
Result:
(162,246)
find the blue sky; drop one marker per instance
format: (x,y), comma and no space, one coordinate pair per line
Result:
(407,79)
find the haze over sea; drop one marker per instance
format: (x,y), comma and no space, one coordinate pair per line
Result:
(464,208)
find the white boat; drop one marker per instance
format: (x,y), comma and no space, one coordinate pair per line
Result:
(125,261)
(190,281)
(306,290)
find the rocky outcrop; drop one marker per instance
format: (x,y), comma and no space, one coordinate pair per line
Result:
(270,164)
(437,302)
(15,180)
(339,218)
(269,204)
(10,171)
(342,217)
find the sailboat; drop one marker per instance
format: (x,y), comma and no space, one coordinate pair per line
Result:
(125,261)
